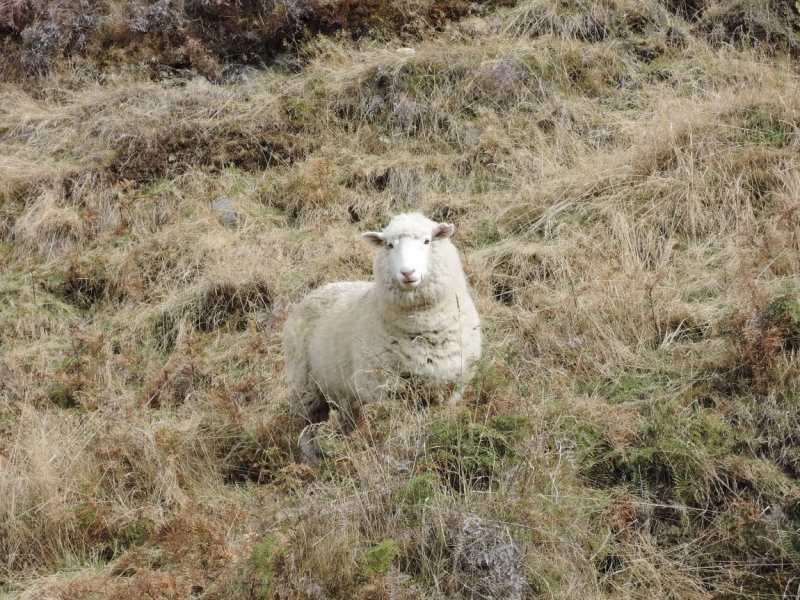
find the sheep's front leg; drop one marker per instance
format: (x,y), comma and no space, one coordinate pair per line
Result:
(310,452)
(347,420)
(458,393)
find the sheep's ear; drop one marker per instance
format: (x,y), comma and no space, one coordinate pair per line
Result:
(373,238)
(443,231)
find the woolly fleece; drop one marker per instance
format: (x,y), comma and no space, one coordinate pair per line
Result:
(346,340)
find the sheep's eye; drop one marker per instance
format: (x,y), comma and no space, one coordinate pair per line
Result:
(389,246)
(427,242)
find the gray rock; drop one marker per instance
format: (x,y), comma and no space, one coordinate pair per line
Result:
(315,591)
(577,342)
(486,561)
(247,74)
(223,208)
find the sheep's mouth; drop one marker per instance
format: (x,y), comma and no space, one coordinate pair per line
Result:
(410,283)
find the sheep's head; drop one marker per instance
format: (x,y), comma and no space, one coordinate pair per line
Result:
(405,248)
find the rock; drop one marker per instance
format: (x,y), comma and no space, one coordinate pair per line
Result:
(315,591)
(486,561)
(243,74)
(577,342)
(223,208)
(382,76)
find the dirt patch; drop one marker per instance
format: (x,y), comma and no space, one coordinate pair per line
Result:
(770,26)
(196,34)
(215,305)
(175,150)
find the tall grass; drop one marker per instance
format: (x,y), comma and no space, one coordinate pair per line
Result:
(624,181)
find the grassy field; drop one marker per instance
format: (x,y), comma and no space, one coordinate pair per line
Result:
(624,179)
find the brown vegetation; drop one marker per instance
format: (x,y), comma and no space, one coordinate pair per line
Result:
(624,177)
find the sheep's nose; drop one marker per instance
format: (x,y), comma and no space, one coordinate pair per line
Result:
(408,272)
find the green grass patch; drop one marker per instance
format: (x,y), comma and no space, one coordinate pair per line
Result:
(245,458)
(470,454)
(489,380)
(64,395)
(783,313)
(105,537)
(416,492)
(485,233)
(766,125)
(674,454)
(627,388)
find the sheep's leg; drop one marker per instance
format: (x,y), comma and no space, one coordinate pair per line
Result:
(310,451)
(347,417)
(308,402)
(310,405)
(364,388)
(458,393)
(316,408)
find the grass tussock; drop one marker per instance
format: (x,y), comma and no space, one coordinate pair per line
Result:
(624,181)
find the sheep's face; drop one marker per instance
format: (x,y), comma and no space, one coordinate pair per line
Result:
(407,245)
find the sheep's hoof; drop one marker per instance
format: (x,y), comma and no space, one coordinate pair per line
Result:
(310,451)
(454,399)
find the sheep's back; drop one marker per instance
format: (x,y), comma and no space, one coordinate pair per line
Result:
(323,326)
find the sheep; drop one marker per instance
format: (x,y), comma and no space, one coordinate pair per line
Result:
(345,342)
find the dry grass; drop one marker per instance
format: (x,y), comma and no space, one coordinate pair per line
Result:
(624,178)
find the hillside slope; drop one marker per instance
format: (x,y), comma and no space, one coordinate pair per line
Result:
(624,179)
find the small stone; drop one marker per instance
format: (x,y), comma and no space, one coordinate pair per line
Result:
(316,592)
(577,342)
(382,76)
(246,74)
(224,210)
(406,51)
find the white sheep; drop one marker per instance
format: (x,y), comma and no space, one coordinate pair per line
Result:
(346,341)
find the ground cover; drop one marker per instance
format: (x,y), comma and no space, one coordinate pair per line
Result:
(623,177)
